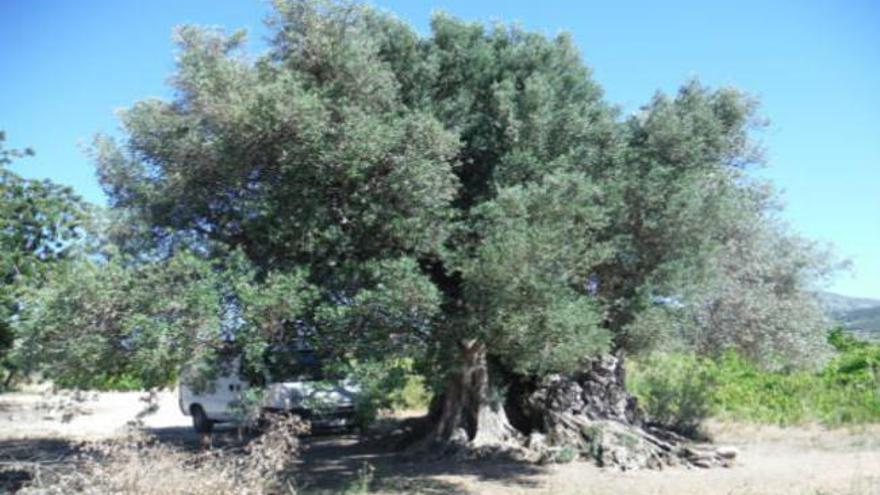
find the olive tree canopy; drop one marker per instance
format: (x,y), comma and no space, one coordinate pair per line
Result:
(465,197)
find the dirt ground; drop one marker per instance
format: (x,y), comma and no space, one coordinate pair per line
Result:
(46,428)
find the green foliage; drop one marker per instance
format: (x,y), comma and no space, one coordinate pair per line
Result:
(565,455)
(675,390)
(305,161)
(680,180)
(333,156)
(521,280)
(40,224)
(109,324)
(413,395)
(387,195)
(857,363)
(385,385)
(388,312)
(247,410)
(264,312)
(778,321)
(845,391)
(104,381)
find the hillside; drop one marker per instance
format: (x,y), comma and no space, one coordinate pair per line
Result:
(860,315)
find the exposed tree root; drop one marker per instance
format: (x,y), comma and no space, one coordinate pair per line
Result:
(559,419)
(591,416)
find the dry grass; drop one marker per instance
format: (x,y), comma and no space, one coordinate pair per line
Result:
(137,464)
(808,459)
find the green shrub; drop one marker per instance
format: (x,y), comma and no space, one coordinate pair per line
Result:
(413,394)
(386,385)
(845,391)
(675,390)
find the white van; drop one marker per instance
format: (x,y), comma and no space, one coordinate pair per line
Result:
(299,389)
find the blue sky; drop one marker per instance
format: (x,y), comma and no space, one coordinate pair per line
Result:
(66,66)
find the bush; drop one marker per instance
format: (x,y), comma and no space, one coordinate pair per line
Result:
(676,391)
(845,391)
(124,382)
(386,385)
(413,394)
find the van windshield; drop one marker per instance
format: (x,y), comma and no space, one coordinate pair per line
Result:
(296,366)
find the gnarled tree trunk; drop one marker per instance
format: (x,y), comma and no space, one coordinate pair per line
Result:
(466,416)
(556,418)
(591,415)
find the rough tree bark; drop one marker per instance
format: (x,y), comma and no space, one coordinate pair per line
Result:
(558,418)
(591,415)
(466,417)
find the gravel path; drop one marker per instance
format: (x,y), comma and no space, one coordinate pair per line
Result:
(82,416)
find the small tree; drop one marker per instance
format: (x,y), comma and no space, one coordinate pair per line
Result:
(40,223)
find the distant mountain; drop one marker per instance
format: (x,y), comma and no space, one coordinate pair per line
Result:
(860,315)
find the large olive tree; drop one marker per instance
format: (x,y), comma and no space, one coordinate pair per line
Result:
(466,197)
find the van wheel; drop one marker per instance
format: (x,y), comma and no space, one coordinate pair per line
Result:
(201,423)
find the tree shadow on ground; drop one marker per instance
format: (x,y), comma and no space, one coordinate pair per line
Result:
(333,464)
(332,461)
(37,449)
(22,459)
(420,476)
(185,438)
(224,436)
